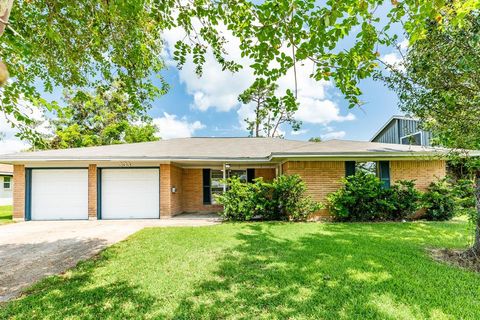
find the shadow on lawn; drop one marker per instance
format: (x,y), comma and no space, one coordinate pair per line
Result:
(330,271)
(77,295)
(333,273)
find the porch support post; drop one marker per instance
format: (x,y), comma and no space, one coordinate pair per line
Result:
(224,177)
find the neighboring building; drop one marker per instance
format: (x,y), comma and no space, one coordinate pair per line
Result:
(164,178)
(403,130)
(6,184)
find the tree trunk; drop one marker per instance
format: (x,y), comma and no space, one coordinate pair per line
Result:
(5,8)
(476,244)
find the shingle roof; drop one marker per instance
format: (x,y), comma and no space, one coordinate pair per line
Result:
(223,148)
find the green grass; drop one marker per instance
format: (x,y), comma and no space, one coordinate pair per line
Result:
(265,271)
(5,214)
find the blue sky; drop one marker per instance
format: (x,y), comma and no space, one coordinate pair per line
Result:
(209,107)
(380,105)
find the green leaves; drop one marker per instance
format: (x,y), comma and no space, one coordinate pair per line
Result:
(270,111)
(105,116)
(84,44)
(283,199)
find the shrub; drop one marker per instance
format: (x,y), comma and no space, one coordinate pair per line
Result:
(239,201)
(283,199)
(362,198)
(290,199)
(359,199)
(404,199)
(439,201)
(465,202)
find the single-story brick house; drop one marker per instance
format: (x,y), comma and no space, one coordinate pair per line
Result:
(168,177)
(6,184)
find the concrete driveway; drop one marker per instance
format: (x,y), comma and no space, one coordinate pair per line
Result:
(32,250)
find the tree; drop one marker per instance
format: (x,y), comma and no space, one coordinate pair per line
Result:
(439,82)
(315,139)
(71,44)
(270,112)
(102,117)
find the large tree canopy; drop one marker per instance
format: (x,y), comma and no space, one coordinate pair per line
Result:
(439,82)
(102,117)
(72,44)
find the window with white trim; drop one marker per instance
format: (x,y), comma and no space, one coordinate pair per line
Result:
(216,185)
(216,178)
(7,183)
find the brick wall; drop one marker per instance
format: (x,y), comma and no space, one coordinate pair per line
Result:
(92,191)
(165,190)
(268,174)
(18,192)
(423,171)
(321,177)
(193,192)
(176,180)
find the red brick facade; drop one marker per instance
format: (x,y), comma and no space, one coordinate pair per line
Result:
(92,191)
(18,192)
(181,189)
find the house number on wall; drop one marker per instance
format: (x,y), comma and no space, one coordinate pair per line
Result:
(125,164)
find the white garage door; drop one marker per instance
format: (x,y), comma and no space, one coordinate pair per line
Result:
(130,193)
(59,194)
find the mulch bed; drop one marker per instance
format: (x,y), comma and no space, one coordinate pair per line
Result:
(461,258)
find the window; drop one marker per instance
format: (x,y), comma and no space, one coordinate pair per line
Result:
(7,183)
(412,139)
(216,177)
(216,185)
(381,169)
(367,167)
(241,174)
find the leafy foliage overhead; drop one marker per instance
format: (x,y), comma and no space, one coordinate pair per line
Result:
(438,82)
(102,117)
(72,44)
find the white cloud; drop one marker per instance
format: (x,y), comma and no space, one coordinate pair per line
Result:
(404,45)
(219,89)
(320,111)
(333,135)
(10,145)
(394,59)
(298,132)
(216,88)
(171,127)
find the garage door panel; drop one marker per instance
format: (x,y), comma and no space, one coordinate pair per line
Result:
(59,194)
(130,193)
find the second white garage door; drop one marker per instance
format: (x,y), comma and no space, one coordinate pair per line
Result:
(130,193)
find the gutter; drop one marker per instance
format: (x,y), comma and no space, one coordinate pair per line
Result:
(275,155)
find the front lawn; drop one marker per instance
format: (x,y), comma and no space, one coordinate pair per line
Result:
(265,270)
(5,214)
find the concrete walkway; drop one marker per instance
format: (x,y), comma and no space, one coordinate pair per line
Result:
(32,250)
